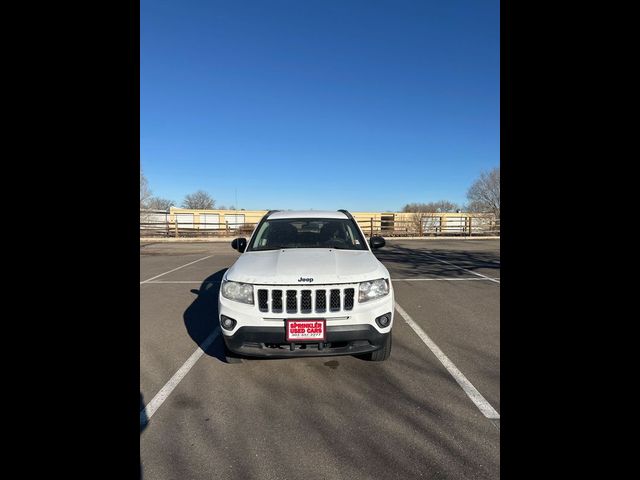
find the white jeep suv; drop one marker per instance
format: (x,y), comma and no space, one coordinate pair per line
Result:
(307,284)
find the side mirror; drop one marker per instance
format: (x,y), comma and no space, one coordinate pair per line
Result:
(377,242)
(239,244)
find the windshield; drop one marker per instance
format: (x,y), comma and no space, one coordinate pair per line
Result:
(307,233)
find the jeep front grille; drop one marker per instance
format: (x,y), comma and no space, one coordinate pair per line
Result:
(334,304)
(262,301)
(321,301)
(276,301)
(305,301)
(348,298)
(292,301)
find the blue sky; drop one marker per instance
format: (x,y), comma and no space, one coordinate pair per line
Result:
(364,105)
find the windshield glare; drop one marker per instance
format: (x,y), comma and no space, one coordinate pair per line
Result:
(308,233)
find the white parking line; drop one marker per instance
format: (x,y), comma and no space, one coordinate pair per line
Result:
(178,268)
(476,397)
(465,269)
(180,281)
(147,412)
(443,279)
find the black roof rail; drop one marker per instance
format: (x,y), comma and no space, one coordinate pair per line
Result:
(347,214)
(270,212)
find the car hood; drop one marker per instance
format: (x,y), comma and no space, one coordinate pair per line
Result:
(323,265)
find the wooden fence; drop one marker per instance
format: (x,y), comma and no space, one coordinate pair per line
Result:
(428,225)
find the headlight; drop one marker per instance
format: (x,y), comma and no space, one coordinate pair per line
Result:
(373,289)
(239,292)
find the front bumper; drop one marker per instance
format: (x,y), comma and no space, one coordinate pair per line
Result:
(362,314)
(271,342)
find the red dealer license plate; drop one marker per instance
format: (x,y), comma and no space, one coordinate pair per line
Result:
(306,330)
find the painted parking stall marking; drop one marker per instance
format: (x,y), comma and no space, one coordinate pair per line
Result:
(147,412)
(173,270)
(454,279)
(462,268)
(443,279)
(476,397)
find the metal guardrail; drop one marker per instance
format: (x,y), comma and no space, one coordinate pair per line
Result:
(428,226)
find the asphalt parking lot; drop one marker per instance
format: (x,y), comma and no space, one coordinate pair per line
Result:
(421,414)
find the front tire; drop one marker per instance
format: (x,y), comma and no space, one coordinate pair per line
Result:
(383,353)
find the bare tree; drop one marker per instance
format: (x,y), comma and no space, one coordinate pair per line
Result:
(484,194)
(158,203)
(432,207)
(417,222)
(199,200)
(145,191)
